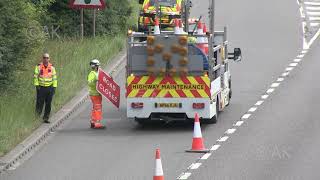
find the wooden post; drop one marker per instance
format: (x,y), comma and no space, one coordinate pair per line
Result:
(81,25)
(94,22)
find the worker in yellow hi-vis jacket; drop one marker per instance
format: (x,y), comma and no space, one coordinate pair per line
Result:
(95,96)
(45,81)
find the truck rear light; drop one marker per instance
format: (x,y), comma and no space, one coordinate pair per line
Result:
(198,105)
(137,105)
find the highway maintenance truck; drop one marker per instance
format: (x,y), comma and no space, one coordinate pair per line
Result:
(173,75)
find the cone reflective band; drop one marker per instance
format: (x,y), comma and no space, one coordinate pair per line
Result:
(176,27)
(201,41)
(197,140)
(158,172)
(156,27)
(205,40)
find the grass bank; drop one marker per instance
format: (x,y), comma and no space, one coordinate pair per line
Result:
(71,59)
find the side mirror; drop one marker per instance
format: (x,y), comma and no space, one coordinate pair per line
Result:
(236,55)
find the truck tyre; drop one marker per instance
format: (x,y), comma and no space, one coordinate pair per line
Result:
(230,92)
(141,121)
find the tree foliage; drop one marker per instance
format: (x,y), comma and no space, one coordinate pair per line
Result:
(26,24)
(17,19)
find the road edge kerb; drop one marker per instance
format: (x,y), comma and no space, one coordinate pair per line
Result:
(41,133)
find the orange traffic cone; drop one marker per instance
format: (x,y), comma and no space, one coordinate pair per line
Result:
(200,40)
(205,46)
(158,173)
(197,141)
(156,27)
(181,27)
(176,27)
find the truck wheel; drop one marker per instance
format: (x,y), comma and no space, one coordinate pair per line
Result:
(230,92)
(141,121)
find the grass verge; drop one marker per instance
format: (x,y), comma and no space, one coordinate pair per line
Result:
(71,59)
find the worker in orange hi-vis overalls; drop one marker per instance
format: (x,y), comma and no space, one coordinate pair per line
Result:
(95,96)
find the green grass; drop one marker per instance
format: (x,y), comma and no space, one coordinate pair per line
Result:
(71,59)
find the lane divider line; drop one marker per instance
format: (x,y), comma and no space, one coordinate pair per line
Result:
(276,84)
(259,103)
(196,165)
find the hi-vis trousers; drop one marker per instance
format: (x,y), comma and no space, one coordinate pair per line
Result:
(96,113)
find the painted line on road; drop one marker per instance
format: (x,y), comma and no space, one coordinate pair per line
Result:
(205,156)
(265,96)
(269,91)
(274,85)
(258,103)
(296,60)
(230,131)
(253,109)
(184,176)
(293,64)
(223,139)
(280,79)
(239,123)
(245,116)
(215,147)
(196,165)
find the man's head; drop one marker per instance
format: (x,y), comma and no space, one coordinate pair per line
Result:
(95,63)
(45,58)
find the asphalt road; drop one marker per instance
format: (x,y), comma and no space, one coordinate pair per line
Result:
(270,35)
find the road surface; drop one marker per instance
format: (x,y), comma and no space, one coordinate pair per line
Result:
(279,139)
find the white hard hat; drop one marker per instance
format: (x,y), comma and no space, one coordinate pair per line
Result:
(94,62)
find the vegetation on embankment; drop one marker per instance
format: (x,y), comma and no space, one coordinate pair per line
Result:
(24,37)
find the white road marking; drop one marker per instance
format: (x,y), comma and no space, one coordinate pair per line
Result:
(312,3)
(215,147)
(280,79)
(306,46)
(300,56)
(269,91)
(253,109)
(313,13)
(239,123)
(314,24)
(185,175)
(246,116)
(289,68)
(274,85)
(264,96)
(223,139)
(314,18)
(195,165)
(285,74)
(259,103)
(205,156)
(313,8)
(293,64)
(230,131)
(297,60)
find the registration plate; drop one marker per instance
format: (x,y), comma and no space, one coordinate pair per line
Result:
(168,105)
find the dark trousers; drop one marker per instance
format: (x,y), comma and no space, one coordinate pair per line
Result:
(44,96)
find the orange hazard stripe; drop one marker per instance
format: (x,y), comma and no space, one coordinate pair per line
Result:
(152,88)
